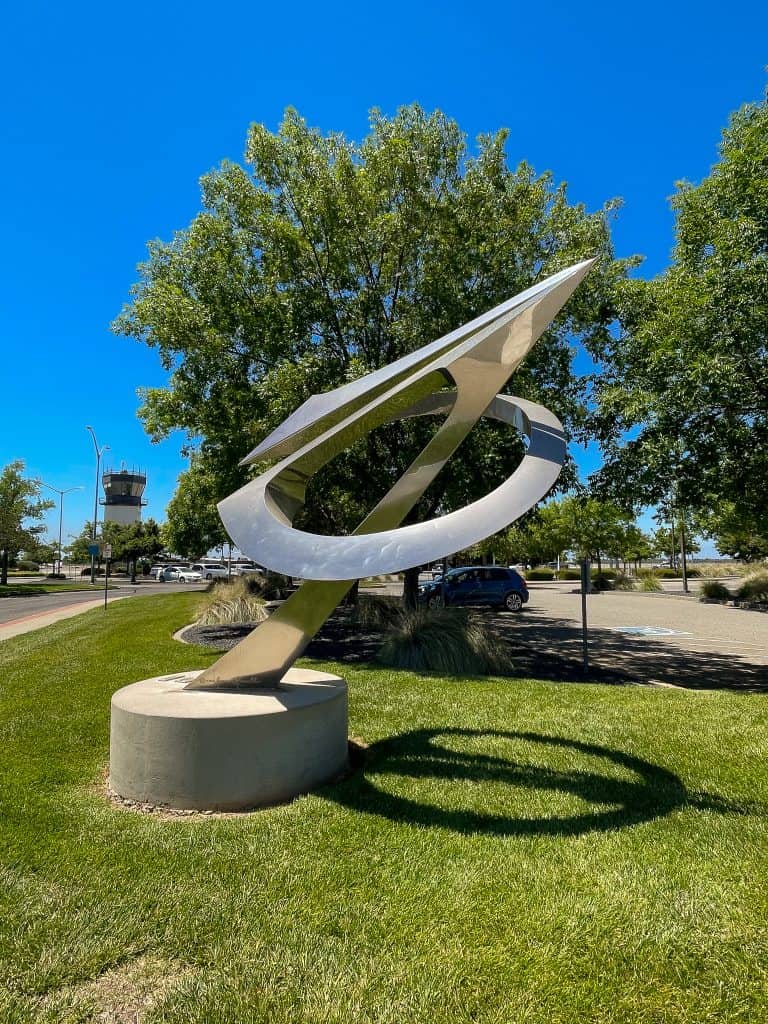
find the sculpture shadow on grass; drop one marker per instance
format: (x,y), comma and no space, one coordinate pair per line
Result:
(628,791)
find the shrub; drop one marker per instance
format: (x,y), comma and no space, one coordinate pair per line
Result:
(230,602)
(270,586)
(540,574)
(623,582)
(649,581)
(754,588)
(377,612)
(568,574)
(712,590)
(448,641)
(602,580)
(27,564)
(607,574)
(677,574)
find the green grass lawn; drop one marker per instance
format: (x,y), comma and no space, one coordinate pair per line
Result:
(512,851)
(24,589)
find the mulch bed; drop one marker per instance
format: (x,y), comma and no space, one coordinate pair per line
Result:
(344,640)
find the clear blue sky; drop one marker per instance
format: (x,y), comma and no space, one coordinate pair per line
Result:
(113,111)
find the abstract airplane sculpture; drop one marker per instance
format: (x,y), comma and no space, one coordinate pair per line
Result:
(459,375)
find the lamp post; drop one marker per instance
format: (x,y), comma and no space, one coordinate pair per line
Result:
(99,453)
(61,494)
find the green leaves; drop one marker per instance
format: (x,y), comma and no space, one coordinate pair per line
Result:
(691,368)
(322,259)
(20,502)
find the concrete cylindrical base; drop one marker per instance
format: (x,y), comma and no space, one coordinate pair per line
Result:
(226,750)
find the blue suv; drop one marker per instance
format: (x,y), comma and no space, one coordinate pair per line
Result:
(475,585)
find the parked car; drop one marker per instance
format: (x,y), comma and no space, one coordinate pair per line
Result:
(477,585)
(211,572)
(244,570)
(179,574)
(154,572)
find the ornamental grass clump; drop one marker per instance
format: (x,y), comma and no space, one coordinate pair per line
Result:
(268,585)
(448,641)
(623,582)
(754,588)
(229,602)
(377,613)
(649,581)
(713,590)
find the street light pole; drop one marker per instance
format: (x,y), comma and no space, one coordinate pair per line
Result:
(99,453)
(61,494)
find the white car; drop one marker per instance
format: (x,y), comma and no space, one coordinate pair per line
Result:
(243,570)
(179,574)
(211,572)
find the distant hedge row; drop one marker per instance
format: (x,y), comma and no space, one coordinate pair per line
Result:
(545,574)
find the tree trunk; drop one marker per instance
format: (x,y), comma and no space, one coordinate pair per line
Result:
(4,568)
(133,570)
(411,588)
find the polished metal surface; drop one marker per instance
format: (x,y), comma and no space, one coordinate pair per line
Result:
(474,361)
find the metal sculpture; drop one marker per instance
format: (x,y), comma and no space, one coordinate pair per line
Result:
(475,361)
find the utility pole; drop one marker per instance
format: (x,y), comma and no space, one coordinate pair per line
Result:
(99,453)
(682,552)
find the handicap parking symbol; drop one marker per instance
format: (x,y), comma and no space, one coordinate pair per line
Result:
(649,631)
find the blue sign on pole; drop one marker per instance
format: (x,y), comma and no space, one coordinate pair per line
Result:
(93,549)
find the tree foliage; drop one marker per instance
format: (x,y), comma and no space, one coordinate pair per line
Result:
(193,525)
(132,541)
(734,532)
(585,525)
(20,509)
(691,368)
(129,541)
(320,260)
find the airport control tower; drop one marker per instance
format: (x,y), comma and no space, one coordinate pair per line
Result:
(123,492)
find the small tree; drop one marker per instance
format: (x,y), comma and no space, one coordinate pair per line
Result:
(133,541)
(77,551)
(668,538)
(636,546)
(594,528)
(19,502)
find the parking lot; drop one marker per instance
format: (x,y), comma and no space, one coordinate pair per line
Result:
(667,639)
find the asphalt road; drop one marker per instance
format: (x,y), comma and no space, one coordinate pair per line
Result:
(668,639)
(16,608)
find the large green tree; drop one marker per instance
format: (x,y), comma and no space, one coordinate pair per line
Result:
(320,260)
(691,367)
(20,509)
